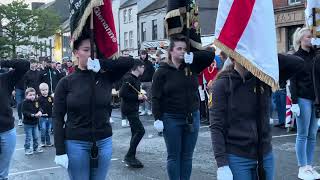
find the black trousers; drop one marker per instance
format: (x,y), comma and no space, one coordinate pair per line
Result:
(137,132)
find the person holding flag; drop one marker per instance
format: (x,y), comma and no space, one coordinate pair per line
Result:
(84,141)
(240,114)
(175,101)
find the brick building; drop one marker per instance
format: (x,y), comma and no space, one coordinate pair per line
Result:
(289,15)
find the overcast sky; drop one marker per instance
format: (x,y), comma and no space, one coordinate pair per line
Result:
(27,1)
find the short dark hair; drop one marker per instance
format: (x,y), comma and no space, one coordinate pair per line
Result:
(136,64)
(143,52)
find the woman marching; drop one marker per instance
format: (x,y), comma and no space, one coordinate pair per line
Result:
(75,138)
(303,99)
(233,120)
(7,131)
(175,105)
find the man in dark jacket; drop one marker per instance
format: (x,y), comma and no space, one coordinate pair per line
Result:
(130,99)
(49,76)
(32,76)
(146,80)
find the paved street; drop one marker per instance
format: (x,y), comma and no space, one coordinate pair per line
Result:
(152,153)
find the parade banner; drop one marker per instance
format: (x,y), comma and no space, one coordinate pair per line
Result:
(312,13)
(176,21)
(245,30)
(104,27)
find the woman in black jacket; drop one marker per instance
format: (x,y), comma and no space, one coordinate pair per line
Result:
(175,105)
(7,131)
(303,99)
(85,96)
(233,120)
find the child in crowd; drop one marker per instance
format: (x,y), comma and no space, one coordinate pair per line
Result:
(31,115)
(46,104)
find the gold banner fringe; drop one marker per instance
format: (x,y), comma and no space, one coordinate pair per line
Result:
(171,14)
(82,22)
(248,65)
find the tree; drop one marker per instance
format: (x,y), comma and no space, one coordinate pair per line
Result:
(19,24)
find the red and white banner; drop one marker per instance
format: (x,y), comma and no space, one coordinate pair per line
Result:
(245,30)
(105,31)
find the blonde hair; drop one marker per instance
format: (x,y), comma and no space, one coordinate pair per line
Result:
(43,85)
(297,36)
(29,90)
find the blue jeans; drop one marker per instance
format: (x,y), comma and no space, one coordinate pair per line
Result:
(19,98)
(79,159)
(7,146)
(31,133)
(45,124)
(180,144)
(307,127)
(279,99)
(244,168)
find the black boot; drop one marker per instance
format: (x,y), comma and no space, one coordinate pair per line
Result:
(133,162)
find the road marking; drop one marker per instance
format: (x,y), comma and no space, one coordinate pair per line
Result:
(286,135)
(19,149)
(21,134)
(114,159)
(34,170)
(204,127)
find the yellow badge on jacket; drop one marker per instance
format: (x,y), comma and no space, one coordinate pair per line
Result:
(49,100)
(37,105)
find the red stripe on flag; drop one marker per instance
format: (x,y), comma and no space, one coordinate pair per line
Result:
(236,22)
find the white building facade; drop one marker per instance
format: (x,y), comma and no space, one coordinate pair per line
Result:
(151,26)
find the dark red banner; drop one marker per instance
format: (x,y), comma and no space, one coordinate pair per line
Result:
(105,31)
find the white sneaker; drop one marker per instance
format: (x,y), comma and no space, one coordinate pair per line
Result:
(143,113)
(305,173)
(38,150)
(111,120)
(20,122)
(124,123)
(149,113)
(42,145)
(316,175)
(28,152)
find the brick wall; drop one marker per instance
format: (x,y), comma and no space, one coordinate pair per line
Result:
(280,3)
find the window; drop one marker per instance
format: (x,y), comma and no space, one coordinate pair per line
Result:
(143,32)
(131,39)
(154,30)
(130,15)
(290,32)
(125,16)
(126,40)
(291,2)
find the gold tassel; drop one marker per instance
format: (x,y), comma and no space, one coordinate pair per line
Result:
(248,65)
